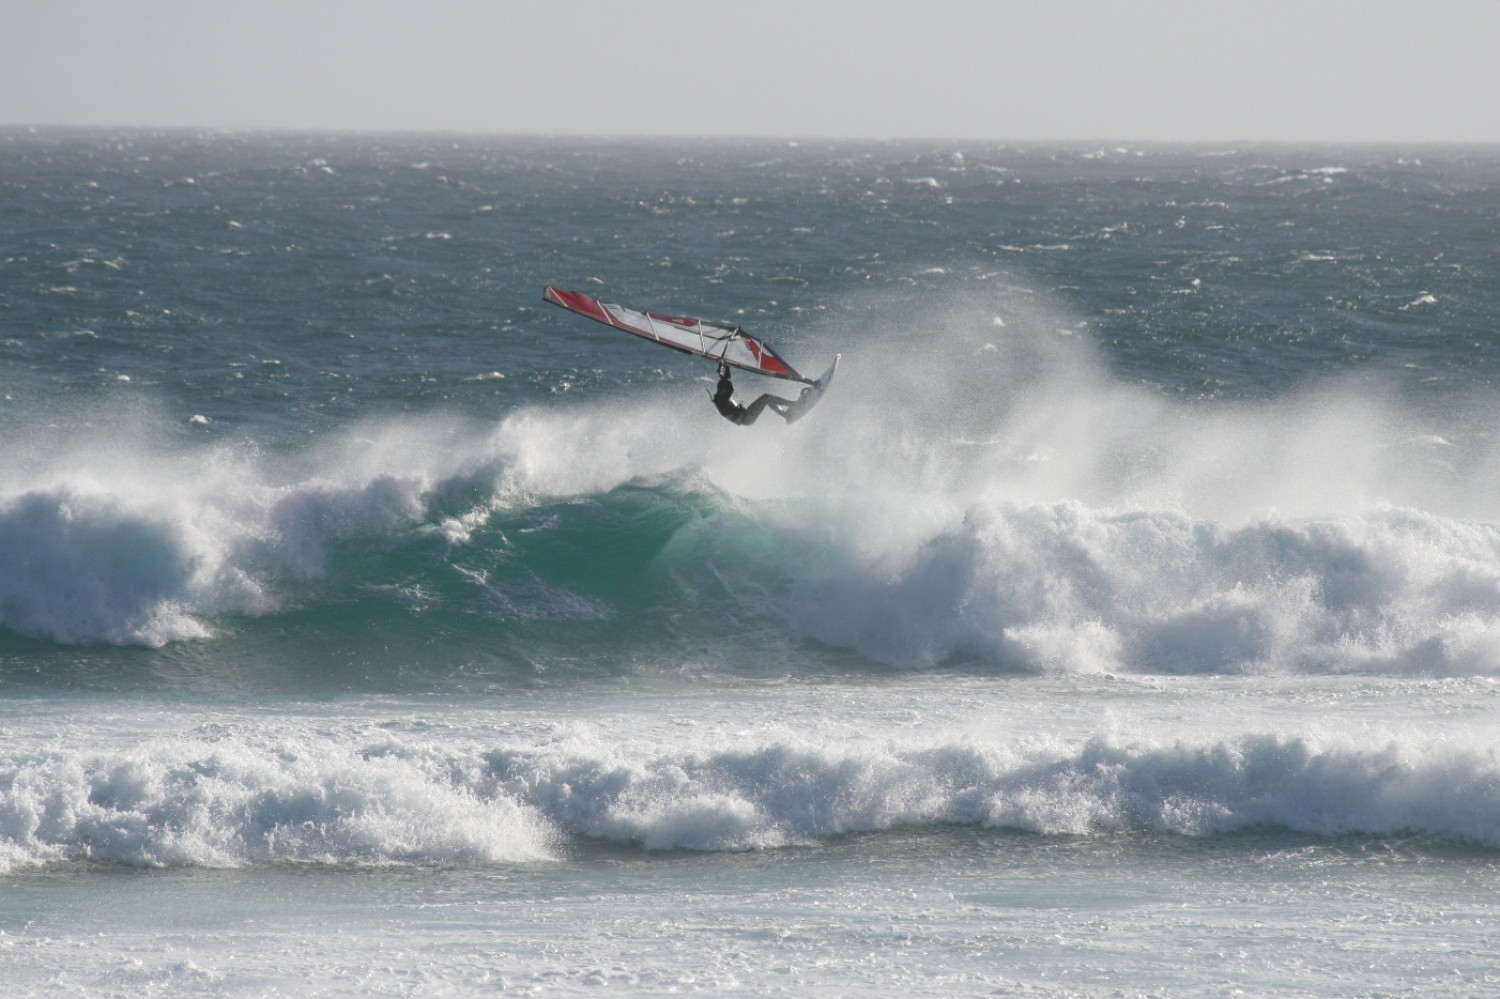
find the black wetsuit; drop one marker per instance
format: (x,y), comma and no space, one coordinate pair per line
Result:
(744,415)
(724,400)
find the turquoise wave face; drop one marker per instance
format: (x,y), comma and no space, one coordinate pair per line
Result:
(387,583)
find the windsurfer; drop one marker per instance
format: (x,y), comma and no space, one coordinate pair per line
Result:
(745,415)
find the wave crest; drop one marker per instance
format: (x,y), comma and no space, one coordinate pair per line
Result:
(234,798)
(791,793)
(1033,587)
(225,801)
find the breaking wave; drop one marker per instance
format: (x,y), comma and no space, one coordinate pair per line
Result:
(222,801)
(794,793)
(224,796)
(1006,506)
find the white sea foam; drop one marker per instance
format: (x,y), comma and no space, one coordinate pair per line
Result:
(226,798)
(797,792)
(229,795)
(1037,587)
(118,540)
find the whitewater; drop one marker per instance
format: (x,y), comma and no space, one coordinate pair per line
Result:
(1126,621)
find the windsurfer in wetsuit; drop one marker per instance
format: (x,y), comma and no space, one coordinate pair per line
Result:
(745,415)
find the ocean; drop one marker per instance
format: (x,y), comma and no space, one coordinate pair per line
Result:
(1124,621)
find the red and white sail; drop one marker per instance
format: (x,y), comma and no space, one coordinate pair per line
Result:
(715,341)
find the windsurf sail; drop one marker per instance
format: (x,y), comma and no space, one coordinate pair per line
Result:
(716,341)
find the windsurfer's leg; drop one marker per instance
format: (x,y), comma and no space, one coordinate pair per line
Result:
(782,406)
(752,412)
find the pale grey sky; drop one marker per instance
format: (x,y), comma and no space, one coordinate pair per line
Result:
(1210,70)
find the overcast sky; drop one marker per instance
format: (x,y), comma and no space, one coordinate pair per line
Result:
(1209,70)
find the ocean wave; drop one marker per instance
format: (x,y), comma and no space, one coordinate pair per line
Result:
(1039,587)
(1003,504)
(85,568)
(129,564)
(225,800)
(119,541)
(915,579)
(233,798)
(793,793)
